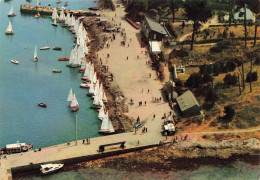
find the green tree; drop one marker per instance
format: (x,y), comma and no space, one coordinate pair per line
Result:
(230,79)
(195,80)
(231,66)
(231,5)
(254,6)
(253,77)
(229,113)
(211,96)
(197,11)
(174,5)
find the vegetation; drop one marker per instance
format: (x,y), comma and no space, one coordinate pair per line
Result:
(229,114)
(197,11)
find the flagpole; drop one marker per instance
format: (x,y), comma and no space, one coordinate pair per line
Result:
(76,130)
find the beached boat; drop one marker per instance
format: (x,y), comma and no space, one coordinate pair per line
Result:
(74,103)
(54,22)
(106,126)
(50,168)
(57,48)
(57,70)
(63,59)
(45,48)
(11,12)
(16,148)
(15,61)
(58,1)
(9,30)
(35,57)
(37,15)
(41,104)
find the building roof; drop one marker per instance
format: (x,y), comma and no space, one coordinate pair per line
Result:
(155,46)
(155,26)
(187,100)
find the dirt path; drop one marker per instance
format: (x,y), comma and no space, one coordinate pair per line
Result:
(204,26)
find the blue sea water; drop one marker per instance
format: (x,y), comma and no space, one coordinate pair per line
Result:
(23,86)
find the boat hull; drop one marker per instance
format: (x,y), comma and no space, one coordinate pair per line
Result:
(63,59)
(75,109)
(9,33)
(11,15)
(96,107)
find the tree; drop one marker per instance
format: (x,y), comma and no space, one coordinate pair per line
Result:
(230,79)
(230,66)
(229,113)
(231,5)
(207,78)
(243,4)
(254,6)
(211,96)
(197,11)
(195,80)
(251,77)
(174,5)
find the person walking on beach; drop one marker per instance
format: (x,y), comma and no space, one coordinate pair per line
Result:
(126,57)
(145,103)
(148,91)
(154,116)
(83,141)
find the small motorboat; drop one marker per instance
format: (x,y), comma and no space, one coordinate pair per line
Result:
(76,108)
(15,61)
(84,85)
(58,1)
(41,104)
(57,48)
(50,168)
(37,15)
(66,3)
(57,70)
(63,59)
(45,48)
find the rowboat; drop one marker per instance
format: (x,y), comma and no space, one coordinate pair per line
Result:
(15,61)
(63,59)
(45,48)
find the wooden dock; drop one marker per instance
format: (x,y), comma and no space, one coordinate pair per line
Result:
(72,152)
(29,9)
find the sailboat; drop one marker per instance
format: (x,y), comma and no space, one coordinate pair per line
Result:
(101,113)
(106,126)
(55,22)
(70,96)
(74,103)
(9,30)
(11,12)
(35,57)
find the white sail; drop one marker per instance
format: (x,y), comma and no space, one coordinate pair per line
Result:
(101,113)
(9,29)
(91,88)
(38,3)
(62,15)
(55,21)
(96,88)
(96,99)
(35,53)
(106,125)
(11,10)
(100,95)
(54,13)
(74,102)
(95,78)
(70,96)
(71,60)
(104,98)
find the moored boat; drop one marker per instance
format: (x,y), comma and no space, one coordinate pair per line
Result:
(50,168)
(75,109)
(57,70)
(11,12)
(15,61)
(45,48)
(63,59)
(74,103)
(41,104)
(106,126)
(35,57)
(66,3)
(9,30)
(16,148)
(37,15)
(57,48)
(84,85)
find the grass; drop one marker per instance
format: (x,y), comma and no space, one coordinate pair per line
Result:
(249,115)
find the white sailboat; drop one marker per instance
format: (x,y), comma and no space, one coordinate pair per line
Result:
(91,90)
(70,96)
(74,103)
(62,16)
(11,12)
(9,29)
(106,126)
(54,22)
(35,57)
(101,113)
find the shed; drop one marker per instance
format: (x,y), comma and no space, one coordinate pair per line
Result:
(154,47)
(188,104)
(169,90)
(153,30)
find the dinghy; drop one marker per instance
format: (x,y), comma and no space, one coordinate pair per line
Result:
(15,61)
(50,168)
(11,12)
(35,57)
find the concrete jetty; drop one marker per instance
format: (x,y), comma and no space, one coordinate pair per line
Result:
(72,152)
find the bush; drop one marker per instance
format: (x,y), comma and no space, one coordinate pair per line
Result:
(220,46)
(230,79)
(207,78)
(211,96)
(254,77)
(206,69)
(257,60)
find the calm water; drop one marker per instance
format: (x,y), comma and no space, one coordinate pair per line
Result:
(23,86)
